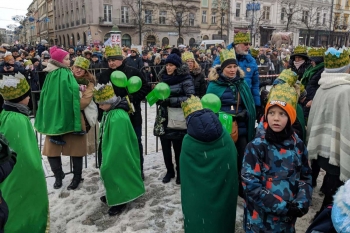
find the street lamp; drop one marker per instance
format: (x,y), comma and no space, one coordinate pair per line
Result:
(253,7)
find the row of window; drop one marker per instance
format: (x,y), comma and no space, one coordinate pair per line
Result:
(71,19)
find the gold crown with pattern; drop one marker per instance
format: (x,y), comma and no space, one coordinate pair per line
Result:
(112,51)
(284,93)
(254,52)
(300,49)
(288,76)
(191,105)
(316,52)
(226,54)
(13,86)
(187,56)
(103,93)
(241,38)
(82,63)
(336,58)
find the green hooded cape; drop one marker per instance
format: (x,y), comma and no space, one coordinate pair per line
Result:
(120,168)
(24,190)
(59,105)
(209,184)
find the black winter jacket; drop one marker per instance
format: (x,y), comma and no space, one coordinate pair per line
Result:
(181,87)
(301,69)
(136,98)
(199,82)
(134,61)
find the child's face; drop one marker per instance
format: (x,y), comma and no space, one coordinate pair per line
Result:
(66,60)
(25,101)
(277,118)
(105,107)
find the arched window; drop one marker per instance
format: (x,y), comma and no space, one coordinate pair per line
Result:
(180,40)
(205,37)
(165,41)
(64,41)
(59,38)
(191,42)
(126,40)
(73,40)
(85,40)
(151,40)
(78,39)
(68,41)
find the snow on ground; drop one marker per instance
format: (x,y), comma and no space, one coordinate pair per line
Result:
(157,211)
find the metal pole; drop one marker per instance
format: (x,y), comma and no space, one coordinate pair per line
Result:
(251,26)
(330,23)
(140,26)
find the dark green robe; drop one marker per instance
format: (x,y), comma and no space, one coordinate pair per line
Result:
(25,188)
(59,105)
(120,168)
(209,184)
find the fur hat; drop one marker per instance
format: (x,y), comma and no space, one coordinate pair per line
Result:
(58,54)
(173,59)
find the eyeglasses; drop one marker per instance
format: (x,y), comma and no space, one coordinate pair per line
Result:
(246,44)
(133,51)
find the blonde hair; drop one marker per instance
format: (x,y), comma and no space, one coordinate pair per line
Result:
(196,65)
(157,59)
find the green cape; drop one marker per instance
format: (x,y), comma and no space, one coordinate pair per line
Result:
(120,168)
(24,190)
(309,72)
(59,105)
(218,88)
(209,184)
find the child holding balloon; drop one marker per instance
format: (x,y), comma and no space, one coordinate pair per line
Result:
(118,151)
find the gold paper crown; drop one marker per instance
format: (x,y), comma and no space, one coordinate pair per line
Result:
(187,56)
(300,49)
(82,63)
(227,54)
(241,38)
(112,51)
(191,105)
(316,52)
(284,93)
(28,62)
(12,87)
(254,52)
(336,58)
(288,76)
(103,92)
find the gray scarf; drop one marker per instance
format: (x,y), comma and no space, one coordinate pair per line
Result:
(22,108)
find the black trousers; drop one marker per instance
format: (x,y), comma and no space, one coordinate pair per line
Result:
(56,165)
(240,146)
(330,186)
(168,159)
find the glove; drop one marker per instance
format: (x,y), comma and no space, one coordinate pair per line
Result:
(294,210)
(242,116)
(123,104)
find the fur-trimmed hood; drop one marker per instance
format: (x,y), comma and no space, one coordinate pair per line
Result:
(182,70)
(216,70)
(196,71)
(54,65)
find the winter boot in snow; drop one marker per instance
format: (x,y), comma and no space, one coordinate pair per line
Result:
(59,176)
(75,182)
(103,199)
(168,177)
(114,210)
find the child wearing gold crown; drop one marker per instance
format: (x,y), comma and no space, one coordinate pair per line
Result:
(28,205)
(275,172)
(59,106)
(118,153)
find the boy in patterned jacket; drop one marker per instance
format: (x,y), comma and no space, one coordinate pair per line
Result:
(276,175)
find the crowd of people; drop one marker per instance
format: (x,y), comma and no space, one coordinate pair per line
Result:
(256,148)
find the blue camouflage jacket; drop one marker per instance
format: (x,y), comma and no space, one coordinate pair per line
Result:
(251,73)
(272,175)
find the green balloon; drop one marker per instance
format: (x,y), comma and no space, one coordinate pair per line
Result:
(212,102)
(119,79)
(162,91)
(134,84)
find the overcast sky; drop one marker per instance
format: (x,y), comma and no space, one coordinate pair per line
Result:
(9,10)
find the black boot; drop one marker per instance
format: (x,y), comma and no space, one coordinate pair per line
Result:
(178,181)
(75,182)
(58,181)
(103,199)
(114,210)
(168,177)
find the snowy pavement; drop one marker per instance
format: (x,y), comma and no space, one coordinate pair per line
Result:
(157,211)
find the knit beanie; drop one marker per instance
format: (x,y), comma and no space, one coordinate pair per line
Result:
(227,57)
(34,60)
(341,209)
(58,54)
(285,97)
(174,59)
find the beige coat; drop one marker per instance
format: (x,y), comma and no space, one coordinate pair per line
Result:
(76,145)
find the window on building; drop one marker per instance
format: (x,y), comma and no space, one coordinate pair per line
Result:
(204,16)
(223,19)
(50,6)
(126,40)
(324,18)
(191,17)
(318,16)
(107,13)
(238,9)
(266,13)
(204,3)
(72,18)
(283,13)
(162,17)
(125,14)
(213,18)
(148,16)
(305,16)
(83,15)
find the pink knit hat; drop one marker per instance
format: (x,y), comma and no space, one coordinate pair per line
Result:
(57,54)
